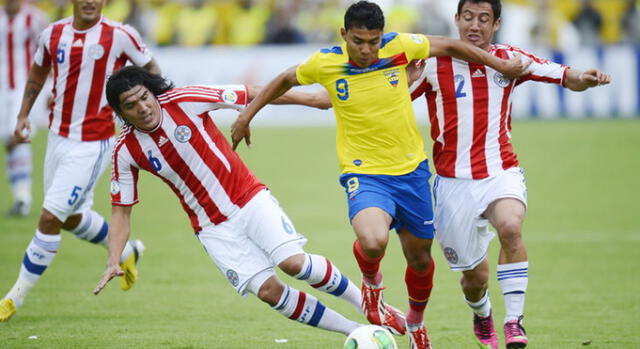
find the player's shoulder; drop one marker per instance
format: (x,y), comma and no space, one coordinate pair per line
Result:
(126,133)
(328,54)
(60,23)
(397,42)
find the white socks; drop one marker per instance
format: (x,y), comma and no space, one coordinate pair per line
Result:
(513,279)
(482,307)
(19,168)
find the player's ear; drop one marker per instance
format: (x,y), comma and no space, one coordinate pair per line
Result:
(496,24)
(343,33)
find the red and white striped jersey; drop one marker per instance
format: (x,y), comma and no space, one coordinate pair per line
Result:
(81,62)
(190,154)
(470,111)
(18,38)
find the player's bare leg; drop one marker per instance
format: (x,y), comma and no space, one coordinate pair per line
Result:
(475,285)
(419,280)
(371,226)
(303,307)
(507,215)
(322,275)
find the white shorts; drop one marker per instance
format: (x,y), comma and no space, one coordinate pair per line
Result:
(71,170)
(251,242)
(462,232)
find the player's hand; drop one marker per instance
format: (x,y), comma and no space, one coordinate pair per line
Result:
(240,130)
(516,67)
(23,130)
(594,77)
(111,272)
(414,71)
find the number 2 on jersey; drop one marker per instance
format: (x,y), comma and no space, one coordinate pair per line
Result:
(342,87)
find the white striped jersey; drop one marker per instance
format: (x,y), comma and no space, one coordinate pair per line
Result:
(470,111)
(190,154)
(81,61)
(18,38)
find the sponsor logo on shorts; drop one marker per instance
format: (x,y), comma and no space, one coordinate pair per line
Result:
(115,187)
(451,255)
(429,222)
(233,278)
(229,96)
(357,162)
(182,133)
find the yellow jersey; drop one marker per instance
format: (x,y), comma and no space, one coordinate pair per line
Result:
(376,128)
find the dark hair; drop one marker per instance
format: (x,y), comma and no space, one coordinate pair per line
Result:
(496,5)
(127,78)
(364,14)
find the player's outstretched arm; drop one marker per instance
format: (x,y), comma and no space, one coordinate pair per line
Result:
(578,80)
(153,67)
(118,235)
(319,99)
(275,88)
(512,68)
(35,80)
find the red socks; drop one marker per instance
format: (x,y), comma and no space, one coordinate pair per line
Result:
(419,285)
(368,266)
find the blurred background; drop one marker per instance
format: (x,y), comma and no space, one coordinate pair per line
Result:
(251,41)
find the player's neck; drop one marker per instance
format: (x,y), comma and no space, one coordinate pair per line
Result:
(80,24)
(12,12)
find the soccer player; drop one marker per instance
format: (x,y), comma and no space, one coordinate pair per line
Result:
(478,180)
(20,25)
(381,153)
(169,132)
(82,51)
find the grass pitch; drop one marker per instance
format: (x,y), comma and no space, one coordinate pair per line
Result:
(582,233)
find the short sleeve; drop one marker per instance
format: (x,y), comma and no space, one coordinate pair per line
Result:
(132,46)
(307,71)
(416,46)
(124,177)
(42,56)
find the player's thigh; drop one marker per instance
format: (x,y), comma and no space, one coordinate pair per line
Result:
(269,228)
(370,202)
(76,168)
(463,235)
(505,201)
(239,259)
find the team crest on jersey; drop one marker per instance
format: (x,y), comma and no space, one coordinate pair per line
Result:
(96,51)
(451,255)
(182,133)
(229,96)
(417,38)
(233,278)
(500,80)
(115,187)
(393,76)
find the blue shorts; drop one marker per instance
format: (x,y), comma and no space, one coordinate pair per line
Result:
(406,198)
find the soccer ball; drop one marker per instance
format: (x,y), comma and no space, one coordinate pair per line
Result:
(370,337)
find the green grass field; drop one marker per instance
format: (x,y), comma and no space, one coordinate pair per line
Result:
(582,232)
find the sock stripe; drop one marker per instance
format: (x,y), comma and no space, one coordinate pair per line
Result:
(512,271)
(32,267)
(344,283)
(514,292)
(301,299)
(307,271)
(514,276)
(84,227)
(51,246)
(327,276)
(284,301)
(102,234)
(18,177)
(317,314)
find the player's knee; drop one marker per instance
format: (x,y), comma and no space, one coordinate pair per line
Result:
(373,244)
(292,265)
(510,231)
(419,261)
(476,281)
(49,223)
(271,291)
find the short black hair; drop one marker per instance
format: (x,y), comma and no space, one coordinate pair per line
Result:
(496,6)
(127,78)
(364,14)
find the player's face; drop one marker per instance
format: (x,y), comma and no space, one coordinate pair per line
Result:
(12,6)
(362,45)
(140,107)
(476,24)
(87,10)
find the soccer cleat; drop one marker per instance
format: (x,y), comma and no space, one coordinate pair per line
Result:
(515,335)
(129,266)
(418,339)
(380,313)
(19,209)
(7,309)
(485,332)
